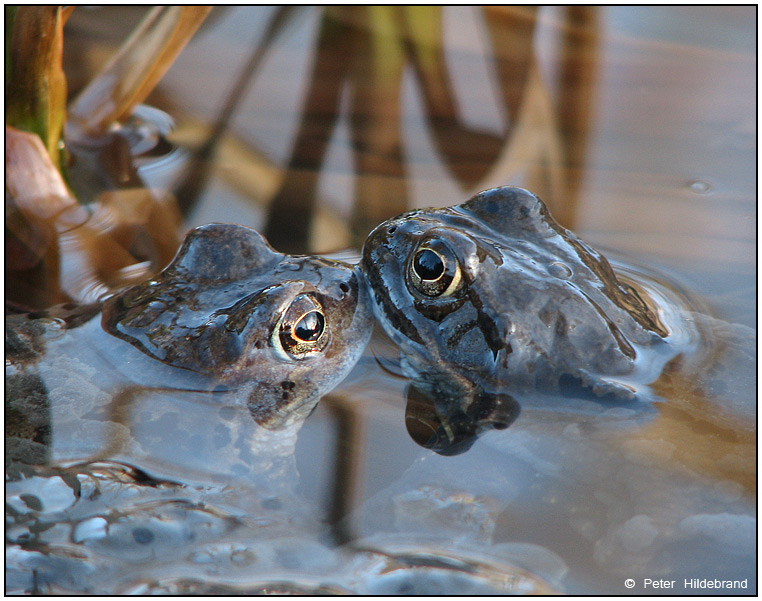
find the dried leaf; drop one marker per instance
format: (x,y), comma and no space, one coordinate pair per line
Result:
(57,251)
(31,179)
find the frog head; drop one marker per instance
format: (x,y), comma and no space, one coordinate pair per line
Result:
(283,329)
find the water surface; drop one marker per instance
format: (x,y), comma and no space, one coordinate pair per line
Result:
(636,126)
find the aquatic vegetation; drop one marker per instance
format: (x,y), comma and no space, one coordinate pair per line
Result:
(63,247)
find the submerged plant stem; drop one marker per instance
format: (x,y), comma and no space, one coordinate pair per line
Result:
(34,79)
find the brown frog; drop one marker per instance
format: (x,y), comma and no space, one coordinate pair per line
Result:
(229,319)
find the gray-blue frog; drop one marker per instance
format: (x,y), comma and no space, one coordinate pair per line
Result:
(493,297)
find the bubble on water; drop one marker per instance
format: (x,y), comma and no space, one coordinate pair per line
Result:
(637,533)
(145,129)
(203,556)
(700,187)
(56,324)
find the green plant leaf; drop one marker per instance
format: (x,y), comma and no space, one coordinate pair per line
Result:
(34,77)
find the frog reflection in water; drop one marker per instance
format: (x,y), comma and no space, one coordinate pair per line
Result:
(492,298)
(229,318)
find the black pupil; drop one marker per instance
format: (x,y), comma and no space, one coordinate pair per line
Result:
(310,327)
(428,265)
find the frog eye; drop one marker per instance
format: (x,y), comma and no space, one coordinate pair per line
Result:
(302,329)
(434,270)
(310,327)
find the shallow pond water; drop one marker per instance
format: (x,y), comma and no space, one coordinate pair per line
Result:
(636,126)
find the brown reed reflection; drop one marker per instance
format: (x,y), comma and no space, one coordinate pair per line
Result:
(365,51)
(360,57)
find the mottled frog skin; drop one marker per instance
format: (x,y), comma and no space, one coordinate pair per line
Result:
(229,322)
(494,296)
(286,328)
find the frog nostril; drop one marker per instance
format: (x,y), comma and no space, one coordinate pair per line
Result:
(560,270)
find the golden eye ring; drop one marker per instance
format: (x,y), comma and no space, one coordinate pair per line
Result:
(302,329)
(433,270)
